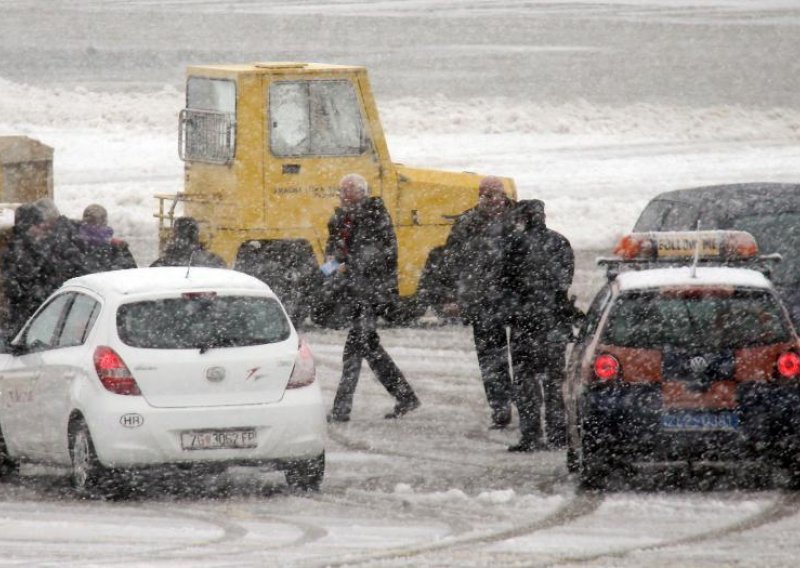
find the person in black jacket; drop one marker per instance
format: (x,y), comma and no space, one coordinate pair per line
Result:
(362,253)
(102,251)
(185,248)
(26,271)
(538,268)
(472,261)
(60,244)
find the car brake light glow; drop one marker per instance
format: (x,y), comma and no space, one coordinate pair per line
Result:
(789,365)
(305,370)
(606,367)
(113,373)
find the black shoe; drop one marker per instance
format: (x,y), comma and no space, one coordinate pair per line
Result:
(402,408)
(526,445)
(333,417)
(500,419)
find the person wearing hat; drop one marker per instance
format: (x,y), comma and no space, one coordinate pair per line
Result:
(185,248)
(538,267)
(471,262)
(103,251)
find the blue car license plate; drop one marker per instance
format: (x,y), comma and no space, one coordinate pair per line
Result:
(700,421)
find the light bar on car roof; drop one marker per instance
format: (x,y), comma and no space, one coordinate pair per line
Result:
(683,245)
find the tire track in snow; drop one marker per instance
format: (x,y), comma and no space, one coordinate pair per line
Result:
(577,507)
(786,505)
(232,532)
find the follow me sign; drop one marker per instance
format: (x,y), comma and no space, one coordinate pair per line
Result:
(684,245)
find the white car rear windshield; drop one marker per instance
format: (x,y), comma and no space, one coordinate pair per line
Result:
(696,319)
(203,321)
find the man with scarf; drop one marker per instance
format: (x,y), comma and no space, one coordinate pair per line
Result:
(103,252)
(362,251)
(538,266)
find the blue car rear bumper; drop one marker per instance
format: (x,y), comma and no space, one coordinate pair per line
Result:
(626,422)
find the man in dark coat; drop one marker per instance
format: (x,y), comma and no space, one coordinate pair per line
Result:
(43,253)
(103,251)
(537,272)
(472,261)
(185,248)
(27,272)
(61,244)
(362,253)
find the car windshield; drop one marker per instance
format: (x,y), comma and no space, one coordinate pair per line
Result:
(202,322)
(695,319)
(776,233)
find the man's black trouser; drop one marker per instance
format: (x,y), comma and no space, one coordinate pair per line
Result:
(491,345)
(554,412)
(537,354)
(363,343)
(527,343)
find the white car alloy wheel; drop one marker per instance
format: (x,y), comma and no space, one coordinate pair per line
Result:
(85,468)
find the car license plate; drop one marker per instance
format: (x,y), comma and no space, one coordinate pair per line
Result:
(219,439)
(700,421)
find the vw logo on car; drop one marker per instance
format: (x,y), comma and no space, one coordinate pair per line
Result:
(698,364)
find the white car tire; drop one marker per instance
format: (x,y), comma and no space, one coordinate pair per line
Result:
(86,473)
(8,466)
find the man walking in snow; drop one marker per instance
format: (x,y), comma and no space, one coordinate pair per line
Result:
(472,261)
(362,251)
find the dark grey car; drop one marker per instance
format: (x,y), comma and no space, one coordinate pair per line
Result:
(768,211)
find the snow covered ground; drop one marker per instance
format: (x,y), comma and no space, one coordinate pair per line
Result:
(593,106)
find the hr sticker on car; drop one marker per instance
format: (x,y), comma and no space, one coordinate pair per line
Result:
(131,420)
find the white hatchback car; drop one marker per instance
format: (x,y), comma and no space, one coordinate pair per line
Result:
(124,370)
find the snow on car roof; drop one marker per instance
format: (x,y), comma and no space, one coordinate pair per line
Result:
(143,280)
(682,276)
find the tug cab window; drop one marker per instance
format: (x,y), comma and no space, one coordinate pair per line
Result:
(208,123)
(315,118)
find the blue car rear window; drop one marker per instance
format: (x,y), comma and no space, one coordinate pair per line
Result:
(653,320)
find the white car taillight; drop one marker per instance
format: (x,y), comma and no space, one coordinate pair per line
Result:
(305,370)
(113,373)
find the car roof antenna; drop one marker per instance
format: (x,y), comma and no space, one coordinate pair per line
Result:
(189,266)
(696,258)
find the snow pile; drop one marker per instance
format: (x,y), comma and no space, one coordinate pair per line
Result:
(440,115)
(25,105)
